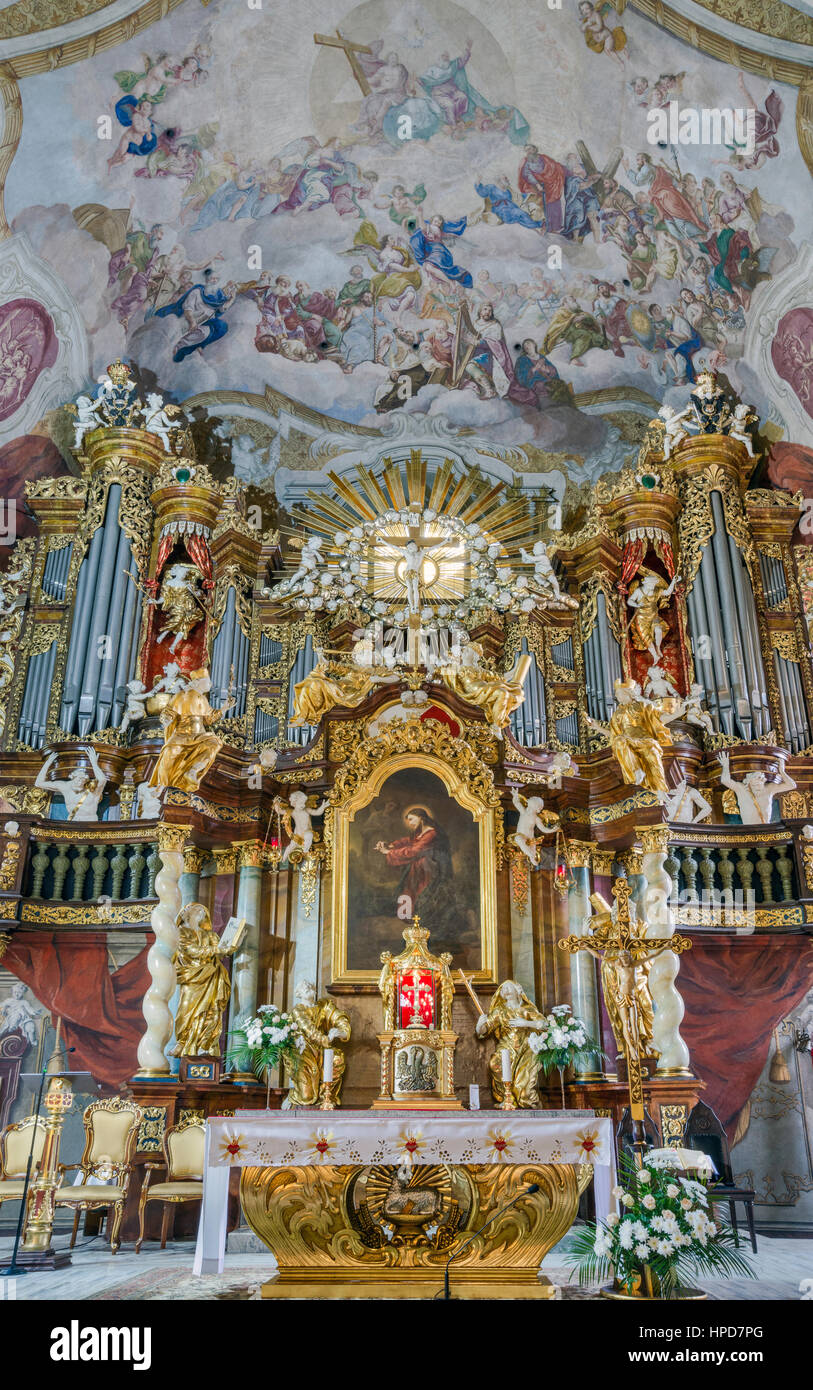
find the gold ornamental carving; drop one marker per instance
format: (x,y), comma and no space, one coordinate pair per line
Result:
(9,866)
(653,839)
(226,860)
(603,860)
(674,1119)
(194,860)
(172,838)
(327,1223)
(43,636)
(785,644)
(87,914)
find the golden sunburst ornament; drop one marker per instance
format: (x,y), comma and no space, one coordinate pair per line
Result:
(416,543)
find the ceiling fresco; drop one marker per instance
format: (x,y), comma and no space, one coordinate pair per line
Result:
(414,215)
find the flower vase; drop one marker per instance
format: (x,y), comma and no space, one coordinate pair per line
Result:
(644,1284)
(561,1072)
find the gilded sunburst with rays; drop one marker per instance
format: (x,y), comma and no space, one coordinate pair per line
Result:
(414,540)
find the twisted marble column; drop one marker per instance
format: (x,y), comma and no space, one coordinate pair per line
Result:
(151,1057)
(673,1053)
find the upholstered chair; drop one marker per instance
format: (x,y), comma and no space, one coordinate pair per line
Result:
(111,1130)
(183,1161)
(15,1146)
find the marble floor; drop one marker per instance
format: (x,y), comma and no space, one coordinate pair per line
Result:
(155,1275)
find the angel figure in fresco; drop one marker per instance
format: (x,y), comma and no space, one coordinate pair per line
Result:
(297,817)
(598,36)
(648,626)
(766,130)
(428,243)
(404,208)
(425,857)
(202,307)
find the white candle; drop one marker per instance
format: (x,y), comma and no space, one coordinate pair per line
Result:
(327,1064)
(505,1063)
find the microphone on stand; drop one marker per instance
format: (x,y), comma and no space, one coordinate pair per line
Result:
(526,1192)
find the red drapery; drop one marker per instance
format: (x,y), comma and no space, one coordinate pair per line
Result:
(200,555)
(101,1012)
(631,562)
(736,990)
(164,549)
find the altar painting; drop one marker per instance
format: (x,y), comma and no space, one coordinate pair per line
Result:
(414,849)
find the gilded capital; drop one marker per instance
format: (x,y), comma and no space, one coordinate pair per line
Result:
(251,855)
(172,837)
(603,860)
(225,860)
(654,838)
(194,859)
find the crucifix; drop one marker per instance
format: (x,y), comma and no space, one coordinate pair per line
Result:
(350,50)
(416,551)
(619,943)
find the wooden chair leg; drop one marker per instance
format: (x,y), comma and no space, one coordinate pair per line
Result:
(142,1210)
(168,1211)
(117,1210)
(749,1216)
(76,1215)
(732,1207)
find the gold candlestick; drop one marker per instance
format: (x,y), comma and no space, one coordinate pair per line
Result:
(39,1226)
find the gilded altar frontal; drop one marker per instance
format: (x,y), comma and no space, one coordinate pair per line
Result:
(406,660)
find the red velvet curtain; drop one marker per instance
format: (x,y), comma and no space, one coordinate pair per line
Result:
(101,1012)
(736,990)
(164,548)
(199,553)
(631,562)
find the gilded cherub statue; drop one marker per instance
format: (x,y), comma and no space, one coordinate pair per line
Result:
(322,1024)
(204,984)
(190,747)
(475,680)
(342,681)
(532,817)
(637,732)
(511,1018)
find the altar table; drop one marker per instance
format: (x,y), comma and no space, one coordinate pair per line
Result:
(402,1189)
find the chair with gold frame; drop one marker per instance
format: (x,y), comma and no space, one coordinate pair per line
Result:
(111,1130)
(183,1161)
(15,1146)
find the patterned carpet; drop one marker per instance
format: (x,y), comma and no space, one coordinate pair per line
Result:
(162,1285)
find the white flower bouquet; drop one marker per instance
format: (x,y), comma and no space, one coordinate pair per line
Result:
(265,1040)
(562,1041)
(663,1223)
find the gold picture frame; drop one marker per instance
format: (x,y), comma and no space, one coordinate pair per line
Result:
(431,747)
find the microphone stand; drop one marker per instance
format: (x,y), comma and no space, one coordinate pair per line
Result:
(534,1187)
(14,1270)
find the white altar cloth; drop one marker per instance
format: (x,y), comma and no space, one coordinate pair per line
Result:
(283,1138)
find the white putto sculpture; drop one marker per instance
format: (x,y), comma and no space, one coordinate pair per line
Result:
(754,793)
(545,576)
(297,819)
(531,811)
(81,792)
(675,428)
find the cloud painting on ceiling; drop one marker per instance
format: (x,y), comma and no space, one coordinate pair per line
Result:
(405,208)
